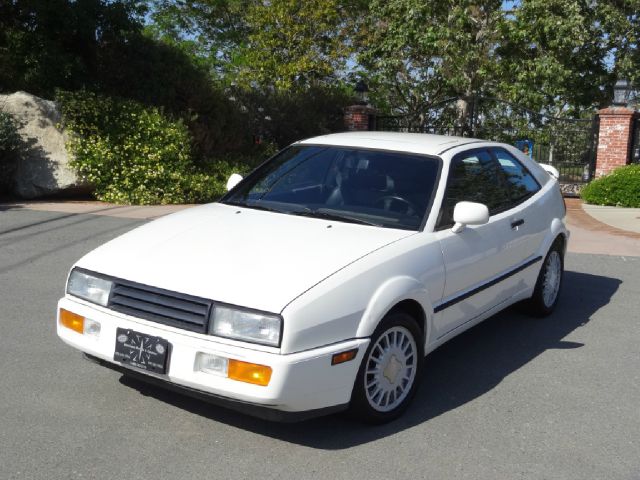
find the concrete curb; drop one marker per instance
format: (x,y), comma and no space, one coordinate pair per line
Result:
(581,215)
(589,235)
(627,219)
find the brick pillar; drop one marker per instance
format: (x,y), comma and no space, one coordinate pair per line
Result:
(614,139)
(358,118)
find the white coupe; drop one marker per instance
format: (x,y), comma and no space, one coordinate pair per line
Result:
(320,282)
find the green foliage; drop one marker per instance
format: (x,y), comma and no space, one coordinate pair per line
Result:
(422,52)
(293,44)
(133,154)
(208,30)
(621,188)
(10,145)
(49,44)
(553,55)
(161,75)
(102,46)
(283,117)
(216,75)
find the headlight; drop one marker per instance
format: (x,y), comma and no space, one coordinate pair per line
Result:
(89,287)
(247,325)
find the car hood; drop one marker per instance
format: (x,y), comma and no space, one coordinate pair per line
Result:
(246,257)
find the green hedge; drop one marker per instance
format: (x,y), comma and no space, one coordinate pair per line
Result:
(10,144)
(621,188)
(134,154)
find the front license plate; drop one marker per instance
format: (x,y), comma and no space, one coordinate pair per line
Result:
(140,350)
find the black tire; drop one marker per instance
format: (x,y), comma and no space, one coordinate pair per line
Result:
(541,305)
(394,327)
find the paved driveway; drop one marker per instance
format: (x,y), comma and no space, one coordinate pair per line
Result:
(513,398)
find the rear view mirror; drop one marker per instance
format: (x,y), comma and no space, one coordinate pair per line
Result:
(234,179)
(469,213)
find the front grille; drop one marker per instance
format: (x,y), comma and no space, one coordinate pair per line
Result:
(162,306)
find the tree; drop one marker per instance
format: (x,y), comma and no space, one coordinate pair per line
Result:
(49,44)
(561,56)
(554,56)
(620,21)
(210,31)
(293,44)
(419,53)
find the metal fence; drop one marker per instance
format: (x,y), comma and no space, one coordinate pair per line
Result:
(569,144)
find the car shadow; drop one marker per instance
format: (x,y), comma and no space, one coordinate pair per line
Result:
(460,371)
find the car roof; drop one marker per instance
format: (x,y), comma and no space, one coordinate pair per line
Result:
(424,143)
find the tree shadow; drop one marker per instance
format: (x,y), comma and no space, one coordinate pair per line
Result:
(462,370)
(36,171)
(6,204)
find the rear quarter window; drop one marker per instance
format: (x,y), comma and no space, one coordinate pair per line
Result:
(520,183)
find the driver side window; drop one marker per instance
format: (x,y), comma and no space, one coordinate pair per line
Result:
(474,176)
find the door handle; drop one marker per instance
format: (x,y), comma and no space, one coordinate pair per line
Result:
(516,223)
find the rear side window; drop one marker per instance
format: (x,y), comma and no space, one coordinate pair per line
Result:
(474,176)
(520,182)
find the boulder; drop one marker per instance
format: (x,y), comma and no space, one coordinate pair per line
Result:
(43,168)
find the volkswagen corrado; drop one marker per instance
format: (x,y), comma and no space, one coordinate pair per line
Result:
(320,281)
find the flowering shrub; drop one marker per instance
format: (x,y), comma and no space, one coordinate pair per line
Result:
(133,154)
(620,188)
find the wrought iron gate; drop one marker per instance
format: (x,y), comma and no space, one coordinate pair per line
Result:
(635,140)
(567,144)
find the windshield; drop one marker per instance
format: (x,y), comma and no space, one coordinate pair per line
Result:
(374,187)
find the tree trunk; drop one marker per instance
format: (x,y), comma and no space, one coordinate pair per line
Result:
(463,107)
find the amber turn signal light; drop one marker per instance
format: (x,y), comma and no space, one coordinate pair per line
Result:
(249,372)
(72,320)
(344,356)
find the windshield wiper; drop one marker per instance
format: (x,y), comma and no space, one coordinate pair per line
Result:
(268,208)
(305,212)
(326,215)
(254,206)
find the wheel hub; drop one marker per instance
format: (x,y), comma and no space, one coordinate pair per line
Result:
(392,369)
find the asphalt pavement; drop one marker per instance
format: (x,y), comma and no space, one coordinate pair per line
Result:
(515,397)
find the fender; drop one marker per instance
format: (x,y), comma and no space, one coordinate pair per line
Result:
(389,294)
(557,228)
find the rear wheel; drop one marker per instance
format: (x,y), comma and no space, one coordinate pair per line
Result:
(390,371)
(547,289)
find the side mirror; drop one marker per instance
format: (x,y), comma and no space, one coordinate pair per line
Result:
(552,171)
(234,179)
(469,213)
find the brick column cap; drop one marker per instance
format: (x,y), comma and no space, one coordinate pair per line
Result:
(622,111)
(358,118)
(360,109)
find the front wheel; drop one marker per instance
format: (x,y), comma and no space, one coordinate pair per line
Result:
(390,371)
(547,289)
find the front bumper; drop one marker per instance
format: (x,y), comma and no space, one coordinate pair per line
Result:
(302,384)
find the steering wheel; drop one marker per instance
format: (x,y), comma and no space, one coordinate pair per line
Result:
(387,200)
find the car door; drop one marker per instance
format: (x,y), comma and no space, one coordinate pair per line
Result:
(528,224)
(479,256)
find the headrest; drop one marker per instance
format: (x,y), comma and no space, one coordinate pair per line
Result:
(365,179)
